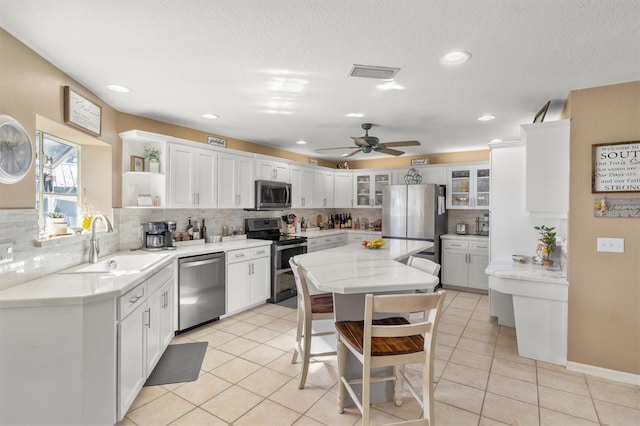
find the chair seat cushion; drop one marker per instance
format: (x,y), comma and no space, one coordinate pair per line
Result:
(353,331)
(322,303)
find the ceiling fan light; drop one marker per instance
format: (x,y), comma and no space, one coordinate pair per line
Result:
(486,117)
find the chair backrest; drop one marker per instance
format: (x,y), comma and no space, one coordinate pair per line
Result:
(430,304)
(425,265)
(304,300)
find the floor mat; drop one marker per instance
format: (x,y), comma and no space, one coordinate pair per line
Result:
(179,363)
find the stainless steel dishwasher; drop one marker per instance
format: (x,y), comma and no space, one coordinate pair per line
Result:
(201,289)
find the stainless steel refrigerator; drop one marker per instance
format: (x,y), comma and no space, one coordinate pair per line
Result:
(415,212)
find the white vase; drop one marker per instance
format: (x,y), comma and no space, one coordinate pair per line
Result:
(154,166)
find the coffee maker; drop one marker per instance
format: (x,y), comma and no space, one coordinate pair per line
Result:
(170,228)
(154,236)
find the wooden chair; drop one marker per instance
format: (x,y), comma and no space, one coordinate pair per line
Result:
(310,308)
(391,342)
(425,265)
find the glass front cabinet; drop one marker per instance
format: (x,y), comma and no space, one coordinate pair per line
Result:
(368,188)
(468,187)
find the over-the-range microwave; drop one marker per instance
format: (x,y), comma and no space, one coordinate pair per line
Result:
(271,195)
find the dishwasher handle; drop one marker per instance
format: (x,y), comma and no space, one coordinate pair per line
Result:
(200,262)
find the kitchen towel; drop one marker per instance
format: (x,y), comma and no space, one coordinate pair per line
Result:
(179,363)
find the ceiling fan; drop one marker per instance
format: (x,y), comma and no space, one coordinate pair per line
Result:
(367,143)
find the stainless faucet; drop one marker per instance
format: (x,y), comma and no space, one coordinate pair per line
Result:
(94,248)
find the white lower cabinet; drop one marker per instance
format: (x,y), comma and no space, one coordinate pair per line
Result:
(248,277)
(326,242)
(145,328)
(464,263)
(357,237)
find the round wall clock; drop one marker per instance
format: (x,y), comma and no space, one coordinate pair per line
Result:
(16,150)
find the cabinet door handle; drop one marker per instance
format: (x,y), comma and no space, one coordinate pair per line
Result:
(249,267)
(148,312)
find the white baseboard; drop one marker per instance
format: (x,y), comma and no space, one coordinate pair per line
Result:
(605,373)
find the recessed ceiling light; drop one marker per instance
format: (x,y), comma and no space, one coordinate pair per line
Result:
(118,88)
(390,85)
(495,140)
(486,117)
(455,58)
(210,116)
(355,114)
(301,142)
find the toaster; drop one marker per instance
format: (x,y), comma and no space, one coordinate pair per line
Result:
(461,228)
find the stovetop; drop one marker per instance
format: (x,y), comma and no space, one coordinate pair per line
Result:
(269,229)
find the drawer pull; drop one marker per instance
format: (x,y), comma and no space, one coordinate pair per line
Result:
(135,299)
(238,254)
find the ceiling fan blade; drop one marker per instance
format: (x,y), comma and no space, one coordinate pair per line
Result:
(351,154)
(391,151)
(360,141)
(402,143)
(339,147)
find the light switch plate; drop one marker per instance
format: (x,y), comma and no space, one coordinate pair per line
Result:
(6,252)
(611,245)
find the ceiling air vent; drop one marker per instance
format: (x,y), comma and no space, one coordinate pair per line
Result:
(370,71)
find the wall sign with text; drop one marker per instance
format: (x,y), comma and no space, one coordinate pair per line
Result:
(616,167)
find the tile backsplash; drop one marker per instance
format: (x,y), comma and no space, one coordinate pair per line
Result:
(20,227)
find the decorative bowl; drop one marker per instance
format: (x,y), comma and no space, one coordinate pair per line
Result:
(519,258)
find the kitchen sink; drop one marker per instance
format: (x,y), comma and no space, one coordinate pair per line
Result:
(120,264)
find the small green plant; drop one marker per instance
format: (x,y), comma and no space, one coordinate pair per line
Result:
(55,215)
(548,237)
(151,153)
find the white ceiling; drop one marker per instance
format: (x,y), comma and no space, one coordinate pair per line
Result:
(246,59)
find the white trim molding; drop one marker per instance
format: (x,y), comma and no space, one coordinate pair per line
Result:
(605,373)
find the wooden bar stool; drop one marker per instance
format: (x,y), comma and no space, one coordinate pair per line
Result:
(391,342)
(310,308)
(426,265)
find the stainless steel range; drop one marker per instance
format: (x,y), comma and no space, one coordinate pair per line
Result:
(283,285)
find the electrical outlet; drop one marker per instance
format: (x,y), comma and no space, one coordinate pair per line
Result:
(611,245)
(6,252)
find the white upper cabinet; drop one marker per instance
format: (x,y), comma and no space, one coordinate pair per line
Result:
(368,188)
(268,169)
(343,193)
(428,174)
(323,190)
(468,186)
(301,186)
(547,168)
(192,177)
(236,181)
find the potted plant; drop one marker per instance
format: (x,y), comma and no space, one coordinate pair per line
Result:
(548,239)
(56,224)
(152,156)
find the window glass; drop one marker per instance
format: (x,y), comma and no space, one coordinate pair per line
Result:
(57,180)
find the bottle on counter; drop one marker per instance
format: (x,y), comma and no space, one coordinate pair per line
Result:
(196,231)
(349,222)
(190,229)
(203,231)
(330,224)
(302,224)
(357,225)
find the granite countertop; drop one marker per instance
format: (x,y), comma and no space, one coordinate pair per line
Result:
(64,288)
(506,268)
(354,269)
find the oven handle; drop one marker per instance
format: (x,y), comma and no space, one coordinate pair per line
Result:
(289,246)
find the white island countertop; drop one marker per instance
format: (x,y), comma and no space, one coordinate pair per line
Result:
(507,268)
(353,269)
(65,288)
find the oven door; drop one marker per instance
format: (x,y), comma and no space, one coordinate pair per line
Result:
(283,284)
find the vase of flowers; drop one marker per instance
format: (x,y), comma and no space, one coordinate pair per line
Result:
(152,158)
(548,239)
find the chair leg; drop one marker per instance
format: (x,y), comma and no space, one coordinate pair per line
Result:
(366,392)
(397,390)
(297,347)
(341,350)
(305,352)
(427,393)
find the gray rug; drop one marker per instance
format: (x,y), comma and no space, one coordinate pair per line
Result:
(179,363)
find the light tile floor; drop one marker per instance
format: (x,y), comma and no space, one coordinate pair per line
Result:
(247,379)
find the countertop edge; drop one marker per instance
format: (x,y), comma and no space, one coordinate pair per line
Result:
(524,272)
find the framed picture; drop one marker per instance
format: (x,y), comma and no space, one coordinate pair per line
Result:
(80,112)
(539,118)
(137,164)
(615,167)
(145,200)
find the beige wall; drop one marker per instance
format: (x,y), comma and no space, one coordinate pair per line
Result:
(395,162)
(604,288)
